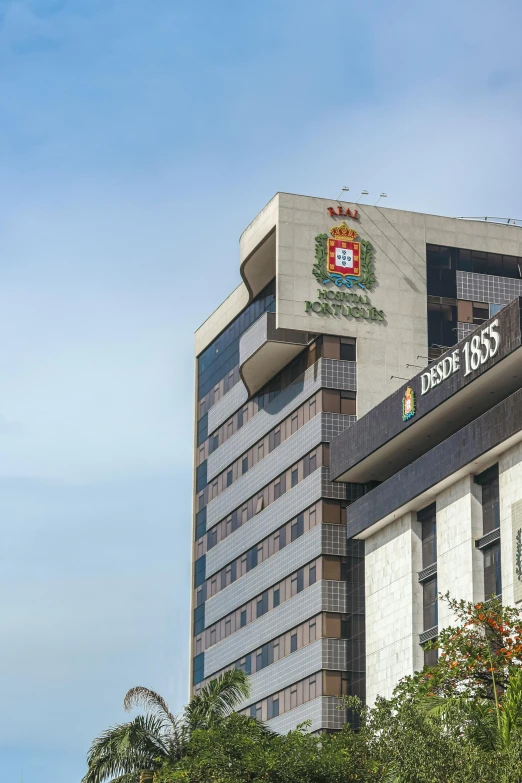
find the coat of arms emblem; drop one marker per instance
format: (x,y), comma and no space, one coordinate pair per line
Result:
(408,404)
(343,261)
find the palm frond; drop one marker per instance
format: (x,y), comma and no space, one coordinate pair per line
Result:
(476,717)
(217,699)
(127,748)
(149,699)
(130,777)
(511,712)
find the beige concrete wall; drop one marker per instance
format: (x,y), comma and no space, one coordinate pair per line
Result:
(399,240)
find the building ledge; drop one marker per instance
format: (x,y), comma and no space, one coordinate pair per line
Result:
(264,350)
(489,538)
(427,636)
(427,572)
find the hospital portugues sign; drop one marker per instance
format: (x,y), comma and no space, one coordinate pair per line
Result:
(345,267)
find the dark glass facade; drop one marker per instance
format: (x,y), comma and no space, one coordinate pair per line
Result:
(354,622)
(490,499)
(489,481)
(222,355)
(428,519)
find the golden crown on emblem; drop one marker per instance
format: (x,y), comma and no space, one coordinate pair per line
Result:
(342,231)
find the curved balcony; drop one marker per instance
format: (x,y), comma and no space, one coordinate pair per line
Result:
(259,267)
(265,350)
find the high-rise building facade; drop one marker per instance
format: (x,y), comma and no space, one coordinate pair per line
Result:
(339,304)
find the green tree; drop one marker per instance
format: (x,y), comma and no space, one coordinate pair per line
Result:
(476,657)
(239,750)
(131,752)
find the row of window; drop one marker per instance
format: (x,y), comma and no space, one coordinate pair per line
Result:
(327,625)
(316,458)
(222,355)
(325,683)
(475,312)
(325,567)
(278,648)
(284,378)
(324,347)
(328,401)
(327,511)
(254,609)
(257,554)
(265,445)
(444,315)
(444,262)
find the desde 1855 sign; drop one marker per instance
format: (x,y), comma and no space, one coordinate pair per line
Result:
(475,352)
(345,263)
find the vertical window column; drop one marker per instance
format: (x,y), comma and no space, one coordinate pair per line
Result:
(428,578)
(490,541)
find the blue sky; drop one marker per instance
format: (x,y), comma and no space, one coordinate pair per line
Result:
(129,129)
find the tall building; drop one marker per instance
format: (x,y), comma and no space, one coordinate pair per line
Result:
(339,304)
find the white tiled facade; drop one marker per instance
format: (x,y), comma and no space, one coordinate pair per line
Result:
(394,619)
(459,562)
(393,605)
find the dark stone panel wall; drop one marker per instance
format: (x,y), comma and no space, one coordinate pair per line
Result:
(384,422)
(484,433)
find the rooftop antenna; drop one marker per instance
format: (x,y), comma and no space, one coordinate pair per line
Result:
(343,190)
(363,193)
(381,195)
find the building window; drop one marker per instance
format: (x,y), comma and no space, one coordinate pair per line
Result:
(293,643)
(490,499)
(428,519)
(442,324)
(492,572)
(272,710)
(212,538)
(297,527)
(229,478)
(262,605)
(429,602)
(294,477)
(431,657)
(494,308)
(482,263)
(348,403)
(312,575)
(277,597)
(347,349)
(199,619)
(199,575)
(198,668)
(441,271)
(243,618)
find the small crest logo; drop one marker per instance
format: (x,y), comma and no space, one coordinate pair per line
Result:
(408,404)
(343,261)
